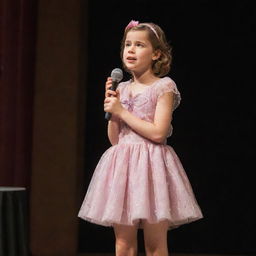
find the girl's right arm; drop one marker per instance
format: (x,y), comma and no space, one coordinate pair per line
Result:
(113,123)
(113,131)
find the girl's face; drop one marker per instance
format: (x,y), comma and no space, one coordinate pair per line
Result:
(138,52)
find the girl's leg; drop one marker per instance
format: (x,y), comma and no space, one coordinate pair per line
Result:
(155,237)
(126,240)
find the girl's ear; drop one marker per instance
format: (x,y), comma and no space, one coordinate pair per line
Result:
(156,55)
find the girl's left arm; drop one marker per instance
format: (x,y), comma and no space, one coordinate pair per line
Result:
(156,131)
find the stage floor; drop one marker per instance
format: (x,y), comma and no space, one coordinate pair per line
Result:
(172,254)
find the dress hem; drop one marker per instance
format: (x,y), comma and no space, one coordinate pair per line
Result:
(138,222)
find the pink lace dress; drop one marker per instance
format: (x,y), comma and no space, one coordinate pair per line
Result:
(138,179)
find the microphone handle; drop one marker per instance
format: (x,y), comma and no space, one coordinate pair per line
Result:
(113,88)
(108,116)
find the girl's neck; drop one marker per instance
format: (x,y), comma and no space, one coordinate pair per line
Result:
(145,78)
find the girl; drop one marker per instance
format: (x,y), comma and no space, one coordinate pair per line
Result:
(139,182)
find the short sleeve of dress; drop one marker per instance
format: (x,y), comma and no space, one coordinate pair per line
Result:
(168,85)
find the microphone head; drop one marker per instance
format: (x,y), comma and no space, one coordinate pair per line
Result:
(117,74)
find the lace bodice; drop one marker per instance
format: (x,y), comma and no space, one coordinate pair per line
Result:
(143,104)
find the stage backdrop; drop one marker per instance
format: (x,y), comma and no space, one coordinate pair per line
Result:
(17,58)
(213,127)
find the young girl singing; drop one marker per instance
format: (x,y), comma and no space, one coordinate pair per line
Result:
(139,182)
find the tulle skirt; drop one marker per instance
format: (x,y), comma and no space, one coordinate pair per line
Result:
(140,181)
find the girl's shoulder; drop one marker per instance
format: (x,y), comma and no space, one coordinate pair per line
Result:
(167,81)
(166,84)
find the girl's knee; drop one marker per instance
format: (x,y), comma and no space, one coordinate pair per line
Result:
(125,248)
(156,249)
(126,240)
(151,249)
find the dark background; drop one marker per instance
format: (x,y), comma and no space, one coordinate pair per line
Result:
(213,62)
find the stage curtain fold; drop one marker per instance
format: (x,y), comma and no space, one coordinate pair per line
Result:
(17,58)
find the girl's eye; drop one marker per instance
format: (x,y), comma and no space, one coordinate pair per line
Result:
(140,45)
(127,44)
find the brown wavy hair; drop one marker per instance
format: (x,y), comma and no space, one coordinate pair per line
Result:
(162,65)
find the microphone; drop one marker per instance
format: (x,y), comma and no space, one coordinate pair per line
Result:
(117,76)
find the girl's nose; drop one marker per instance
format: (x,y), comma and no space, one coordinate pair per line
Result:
(131,49)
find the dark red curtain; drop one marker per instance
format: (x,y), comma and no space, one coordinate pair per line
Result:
(17,58)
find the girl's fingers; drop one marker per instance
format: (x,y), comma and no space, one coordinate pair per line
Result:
(110,93)
(107,100)
(112,104)
(107,104)
(110,100)
(108,83)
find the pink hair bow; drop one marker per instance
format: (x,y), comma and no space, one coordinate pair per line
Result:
(132,23)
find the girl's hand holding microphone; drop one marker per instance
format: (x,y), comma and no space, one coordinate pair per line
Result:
(112,103)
